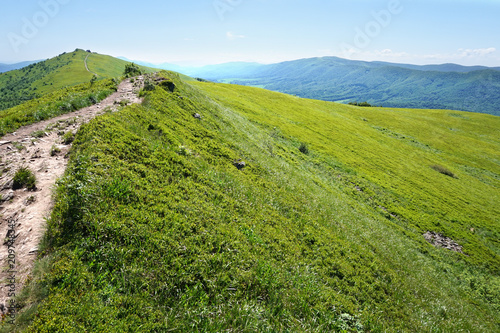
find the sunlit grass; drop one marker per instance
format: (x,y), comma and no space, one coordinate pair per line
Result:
(155,229)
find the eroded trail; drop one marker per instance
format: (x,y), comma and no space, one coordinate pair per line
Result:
(40,148)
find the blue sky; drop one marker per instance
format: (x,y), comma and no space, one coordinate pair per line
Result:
(198,32)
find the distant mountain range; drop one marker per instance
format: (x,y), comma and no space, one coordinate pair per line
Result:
(447,86)
(10,67)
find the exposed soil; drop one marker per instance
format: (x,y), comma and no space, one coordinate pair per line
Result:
(23,212)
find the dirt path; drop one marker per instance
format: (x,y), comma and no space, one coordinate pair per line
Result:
(23,212)
(87,67)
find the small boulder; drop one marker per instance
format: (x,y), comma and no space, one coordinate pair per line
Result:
(197,116)
(239,164)
(8,196)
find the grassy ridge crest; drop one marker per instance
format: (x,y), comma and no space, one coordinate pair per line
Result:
(65,70)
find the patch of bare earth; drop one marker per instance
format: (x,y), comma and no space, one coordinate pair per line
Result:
(439,240)
(40,148)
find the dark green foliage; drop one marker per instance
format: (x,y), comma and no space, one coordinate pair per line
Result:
(168,85)
(303,148)
(149,85)
(363,104)
(68,137)
(24,178)
(131,70)
(16,87)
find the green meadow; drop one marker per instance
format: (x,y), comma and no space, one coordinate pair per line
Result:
(65,70)
(159,227)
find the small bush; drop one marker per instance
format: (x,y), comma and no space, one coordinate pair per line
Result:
(304,149)
(149,85)
(54,150)
(93,99)
(132,70)
(68,137)
(443,170)
(24,178)
(362,104)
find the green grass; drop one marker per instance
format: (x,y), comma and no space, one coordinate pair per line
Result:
(24,178)
(65,70)
(389,153)
(56,103)
(156,230)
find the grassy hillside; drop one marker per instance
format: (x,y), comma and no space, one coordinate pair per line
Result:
(158,225)
(390,85)
(59,102)
(65,70)
(390,153)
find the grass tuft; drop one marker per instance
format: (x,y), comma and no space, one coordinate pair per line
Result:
(443,170)
(24,178)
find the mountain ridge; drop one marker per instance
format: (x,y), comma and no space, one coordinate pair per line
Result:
(444,86)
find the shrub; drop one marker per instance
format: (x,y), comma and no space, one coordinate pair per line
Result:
(93,99)
(443,170)
(68,137)
(132,70)
(303,148)
(149,85)
(362,104)
(24,177)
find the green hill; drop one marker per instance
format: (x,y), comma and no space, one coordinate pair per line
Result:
(271,213)
(390,85)
(65,70)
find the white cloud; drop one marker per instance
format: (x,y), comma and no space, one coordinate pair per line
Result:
(232,36)
(488,56)
(476,52)
(391,53)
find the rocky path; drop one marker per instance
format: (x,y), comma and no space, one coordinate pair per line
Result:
(40,148)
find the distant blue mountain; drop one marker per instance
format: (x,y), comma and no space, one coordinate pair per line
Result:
(10,67)
(447,86)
